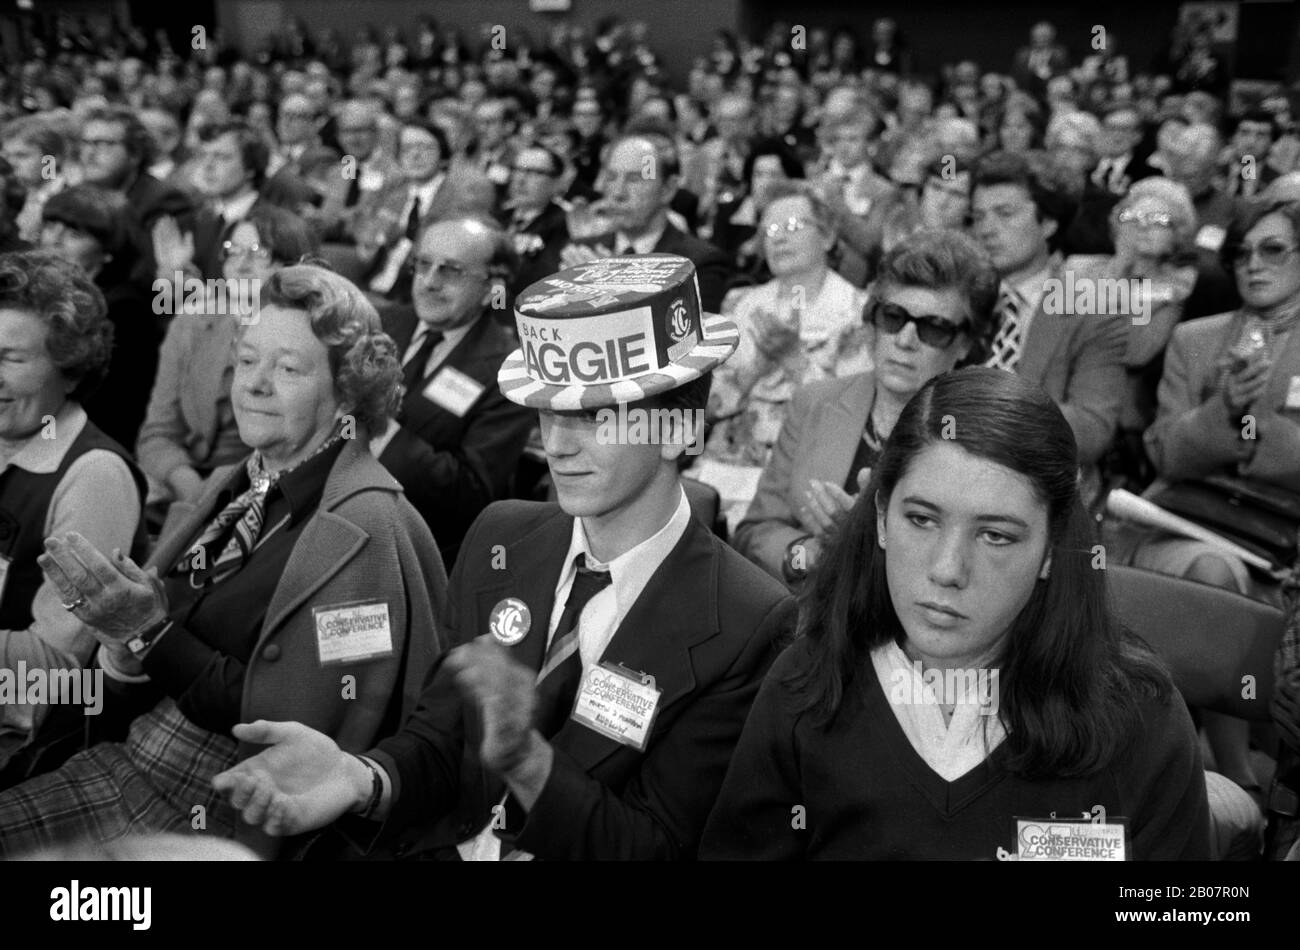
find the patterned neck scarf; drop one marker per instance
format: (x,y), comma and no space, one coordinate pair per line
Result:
(247,513)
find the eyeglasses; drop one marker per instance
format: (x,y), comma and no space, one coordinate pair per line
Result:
(256,252)
(88,144)
(932,331)
(790,225)
(450,271)
(1146,219)
(524,170)
(1272,252)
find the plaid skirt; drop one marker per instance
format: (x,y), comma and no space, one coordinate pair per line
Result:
(158,780)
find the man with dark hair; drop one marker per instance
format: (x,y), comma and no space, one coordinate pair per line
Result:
(457,441)
(1077,358)
(115,150)
(536,221)
(625,642)
(1246,168)
(388,222)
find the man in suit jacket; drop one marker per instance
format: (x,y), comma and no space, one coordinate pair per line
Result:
(537,224)
(640,178)
(672,642)
(458,440)
(1077,358)
(389,221)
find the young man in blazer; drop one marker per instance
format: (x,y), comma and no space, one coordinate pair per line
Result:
(457,441)
(1077,358)
(665,646)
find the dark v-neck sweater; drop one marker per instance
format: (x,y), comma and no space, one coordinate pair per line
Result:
(858,790)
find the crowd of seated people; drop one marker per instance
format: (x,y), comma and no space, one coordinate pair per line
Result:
(258,330)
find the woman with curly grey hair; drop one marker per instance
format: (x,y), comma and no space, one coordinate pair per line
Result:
(58,473)
(302,586)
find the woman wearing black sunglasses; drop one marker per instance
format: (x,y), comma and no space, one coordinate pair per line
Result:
(930,310)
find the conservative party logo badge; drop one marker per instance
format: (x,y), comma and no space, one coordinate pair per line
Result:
(679,321)
(510,621)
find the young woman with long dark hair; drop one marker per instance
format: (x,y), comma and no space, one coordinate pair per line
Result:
(959,669)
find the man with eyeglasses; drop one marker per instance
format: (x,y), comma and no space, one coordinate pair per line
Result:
(457,441)
(1077,359)
(115,150)
(1119,165)
(388,222)
(536,221)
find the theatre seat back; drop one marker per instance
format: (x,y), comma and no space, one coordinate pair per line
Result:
(1211,639)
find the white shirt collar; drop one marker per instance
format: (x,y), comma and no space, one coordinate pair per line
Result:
(237,209)
(953,748)
(645,244)
(1031,289)
(631,570)
(42,456)
(450,339)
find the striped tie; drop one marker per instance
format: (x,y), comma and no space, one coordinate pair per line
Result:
(1010,336)
(557,682)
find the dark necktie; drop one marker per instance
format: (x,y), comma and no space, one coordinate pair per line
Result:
(413,220)
(557,683)
(413,371)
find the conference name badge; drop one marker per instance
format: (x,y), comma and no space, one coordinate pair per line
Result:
(453,390)
(1070,839)
(510,621)
(618,704)
(353,632)
(1293,394)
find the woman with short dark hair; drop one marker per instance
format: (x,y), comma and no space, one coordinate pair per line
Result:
(931,309)
(960,679)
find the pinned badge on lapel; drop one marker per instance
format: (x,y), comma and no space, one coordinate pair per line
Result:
(510,621)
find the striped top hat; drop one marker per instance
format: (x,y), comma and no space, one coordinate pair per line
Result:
(610,331)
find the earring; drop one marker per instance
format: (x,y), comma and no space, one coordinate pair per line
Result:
(881,541)
(1046,572)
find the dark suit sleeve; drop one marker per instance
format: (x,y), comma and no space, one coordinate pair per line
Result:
(661,812)
(714,272)
(755,816)
(423,760)
(449,487)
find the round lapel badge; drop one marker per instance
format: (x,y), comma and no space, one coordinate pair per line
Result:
(510,621)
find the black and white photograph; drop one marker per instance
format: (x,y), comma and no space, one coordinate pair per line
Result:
(705,431)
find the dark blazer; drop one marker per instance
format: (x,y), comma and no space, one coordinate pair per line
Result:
(711,265)
(149,199)
(536,260)
(707,627)
(453,466)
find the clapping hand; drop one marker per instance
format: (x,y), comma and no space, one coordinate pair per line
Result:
(115,597)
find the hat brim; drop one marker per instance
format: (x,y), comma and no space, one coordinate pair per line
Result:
(719,340)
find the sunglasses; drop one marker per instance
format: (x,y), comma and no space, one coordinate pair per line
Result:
(1272,252)
(932,331)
